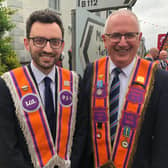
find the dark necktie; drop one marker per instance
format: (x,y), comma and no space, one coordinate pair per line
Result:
(49,105)
(114,103)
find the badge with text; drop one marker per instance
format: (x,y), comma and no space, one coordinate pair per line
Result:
(136,95)
(65,98)
(130,120)
(30,102)
(100,115)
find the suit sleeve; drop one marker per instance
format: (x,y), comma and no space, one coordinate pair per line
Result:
(160,126)
(153,140)
(80,147)
(11,152)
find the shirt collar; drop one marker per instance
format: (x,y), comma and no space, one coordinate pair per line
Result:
(39,76)
(126,70)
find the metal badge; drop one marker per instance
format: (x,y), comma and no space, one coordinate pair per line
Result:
(24,88)
(98,135)
(101,76)
(66,83)
(124,144)
(99,92)
(140,79)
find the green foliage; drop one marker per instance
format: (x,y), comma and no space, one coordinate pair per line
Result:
(8,58)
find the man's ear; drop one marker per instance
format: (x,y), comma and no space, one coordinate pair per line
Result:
(26,44)
(140,36)
(103,37)
(104,40)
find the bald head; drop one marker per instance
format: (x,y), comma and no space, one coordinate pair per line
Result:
(121,12)
(122,37)
(154,52)
(163,55)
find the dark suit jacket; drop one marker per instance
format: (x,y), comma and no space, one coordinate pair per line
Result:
(13,148)
(152,144)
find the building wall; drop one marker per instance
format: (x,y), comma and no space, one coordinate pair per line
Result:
(24,9)
(66,7)
(18,32)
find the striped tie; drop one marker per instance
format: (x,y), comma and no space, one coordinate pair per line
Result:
(114,103)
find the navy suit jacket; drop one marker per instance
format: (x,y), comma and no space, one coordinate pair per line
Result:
(152,147)
(13,148)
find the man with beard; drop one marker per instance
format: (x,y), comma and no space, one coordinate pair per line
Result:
(38,102)
(124,98)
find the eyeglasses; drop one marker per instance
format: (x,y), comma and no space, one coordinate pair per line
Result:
(41,42)
(116,37)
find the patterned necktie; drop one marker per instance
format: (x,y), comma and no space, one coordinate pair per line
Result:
(114,103)
(49,105)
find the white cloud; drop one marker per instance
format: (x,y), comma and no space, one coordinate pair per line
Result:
(153,19)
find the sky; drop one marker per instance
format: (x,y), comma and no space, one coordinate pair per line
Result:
(153,17)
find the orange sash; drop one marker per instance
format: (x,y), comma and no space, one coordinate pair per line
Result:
(131,116)
(33,121)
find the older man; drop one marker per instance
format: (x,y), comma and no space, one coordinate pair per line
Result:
(163,55)
(125,100)
(163,60)
(152,55)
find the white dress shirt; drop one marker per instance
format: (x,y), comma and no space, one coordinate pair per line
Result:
(124,77)
(39,76)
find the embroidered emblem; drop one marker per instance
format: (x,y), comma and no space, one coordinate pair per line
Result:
(124,144)
(130,120)
(100,115)
(126,131)
(136,95)
(25,88)
(30,102)
(98,135)
(66,98)
(140,79)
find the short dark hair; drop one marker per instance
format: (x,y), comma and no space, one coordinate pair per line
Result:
(43,16)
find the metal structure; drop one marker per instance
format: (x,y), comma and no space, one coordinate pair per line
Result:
(102,5)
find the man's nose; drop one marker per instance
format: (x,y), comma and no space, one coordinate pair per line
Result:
(123,41)
(47,47)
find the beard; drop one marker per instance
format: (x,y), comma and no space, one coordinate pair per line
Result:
(44,61)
